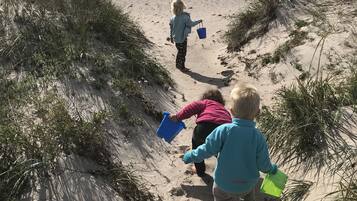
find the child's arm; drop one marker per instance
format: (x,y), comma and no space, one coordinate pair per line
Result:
(263,160)
(190,23)
(171,34)
(191,109)
(212,146)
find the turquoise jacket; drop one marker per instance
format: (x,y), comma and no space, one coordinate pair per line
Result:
(180,27)
(242,152)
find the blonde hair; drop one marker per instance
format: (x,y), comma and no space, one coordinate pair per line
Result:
(177,7)
(246,101)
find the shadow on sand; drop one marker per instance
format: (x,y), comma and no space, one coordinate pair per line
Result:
(219,82)
(204,193)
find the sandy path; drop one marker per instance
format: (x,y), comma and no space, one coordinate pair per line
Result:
(202,59)
(153,16)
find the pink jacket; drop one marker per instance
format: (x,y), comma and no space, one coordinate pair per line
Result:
(206,111)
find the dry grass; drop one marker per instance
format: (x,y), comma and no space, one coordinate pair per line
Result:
(251,23)
(32,143)
(64,33)
(346,168)
(48,40)
(297,190)
(296,38)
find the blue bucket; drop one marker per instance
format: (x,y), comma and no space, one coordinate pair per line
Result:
(169,129)
(201,31)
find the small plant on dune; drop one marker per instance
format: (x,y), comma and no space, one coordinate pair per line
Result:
(128,87)
(348,188)
(308,125)
(301,23)
(297,190)
(122,112)
(297,66)
(251,23)
(267,59)
(346,168)
(297,38)
(127,183)
(351,86)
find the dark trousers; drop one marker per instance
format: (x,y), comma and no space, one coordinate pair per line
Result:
(181,54)
(200,133)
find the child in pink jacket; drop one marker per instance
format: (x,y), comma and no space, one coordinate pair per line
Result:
(211,113)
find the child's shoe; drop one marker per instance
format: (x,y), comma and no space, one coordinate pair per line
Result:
(184,70)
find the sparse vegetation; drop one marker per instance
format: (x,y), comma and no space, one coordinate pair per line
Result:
(346,168)
(297,66)
(125,181)
(301,23)
(31,153)
(46,41)
(297,38)
(297,190)
(266,59)
(32,141)
(308,125)
(351,86)
(251,23)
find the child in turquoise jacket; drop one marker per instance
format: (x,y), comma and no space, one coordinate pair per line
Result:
(242,149)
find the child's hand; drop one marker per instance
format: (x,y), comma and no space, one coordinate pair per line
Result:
(274,170)
(173,117)
(169,39)
(187,158)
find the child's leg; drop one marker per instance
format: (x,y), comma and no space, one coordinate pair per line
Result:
(220,195)
(184,53)
(197,140)
(200,133)
(181,54)
(250,196)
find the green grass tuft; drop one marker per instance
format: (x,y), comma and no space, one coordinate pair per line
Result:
(297,190)
(251,23)
(297,38)
(308,124)
(346,168)
(54,36)
(46,41)
(301,23)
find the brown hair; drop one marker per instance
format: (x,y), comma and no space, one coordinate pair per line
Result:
(213,94)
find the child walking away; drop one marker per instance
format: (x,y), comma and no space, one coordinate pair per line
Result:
(242,150)
(210,113)
(180,27)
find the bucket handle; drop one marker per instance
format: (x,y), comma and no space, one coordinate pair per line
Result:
(200,25)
